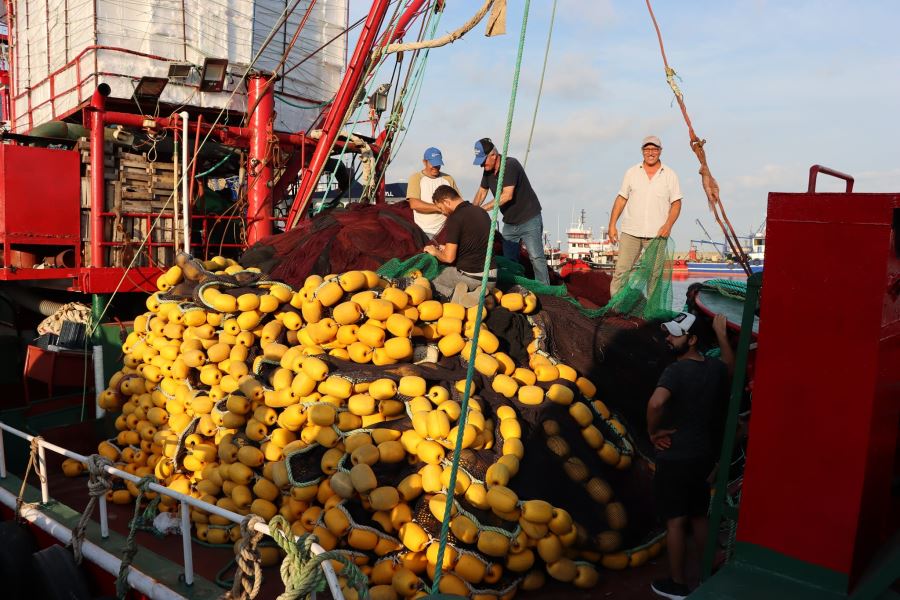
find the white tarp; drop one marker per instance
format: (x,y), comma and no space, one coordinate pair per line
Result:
(63,49)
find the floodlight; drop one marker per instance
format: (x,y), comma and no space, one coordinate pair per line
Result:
(150,88)
(180,71)
(212,76)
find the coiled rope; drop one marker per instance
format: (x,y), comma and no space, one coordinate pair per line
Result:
(248,573)
(131,547)
(98,484)
(300,569)
(33,459)
(470,369)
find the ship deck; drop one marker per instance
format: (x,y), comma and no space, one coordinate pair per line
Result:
(161,558)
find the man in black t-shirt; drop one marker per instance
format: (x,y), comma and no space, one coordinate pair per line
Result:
(681,419)
(519,204)
(467,230)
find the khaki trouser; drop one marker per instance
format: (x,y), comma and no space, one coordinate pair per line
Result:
(630,249)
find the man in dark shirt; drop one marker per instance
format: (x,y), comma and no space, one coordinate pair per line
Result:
(519,204)
(681,421)
(467,230)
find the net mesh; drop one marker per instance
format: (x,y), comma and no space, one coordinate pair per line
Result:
(646,291)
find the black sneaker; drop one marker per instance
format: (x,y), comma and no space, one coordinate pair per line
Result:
(669,589)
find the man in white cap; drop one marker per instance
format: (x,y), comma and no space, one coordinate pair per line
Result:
(649,203)
(420,188)
(682,421)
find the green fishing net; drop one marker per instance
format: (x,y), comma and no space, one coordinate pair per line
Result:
(646,291)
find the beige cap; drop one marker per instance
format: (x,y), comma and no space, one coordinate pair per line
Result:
(651,139)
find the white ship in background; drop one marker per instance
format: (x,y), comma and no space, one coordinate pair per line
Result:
(582,245)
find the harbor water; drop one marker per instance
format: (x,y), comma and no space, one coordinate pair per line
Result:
(682,281)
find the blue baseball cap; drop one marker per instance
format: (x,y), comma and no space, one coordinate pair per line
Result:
(483,147)
(434,157)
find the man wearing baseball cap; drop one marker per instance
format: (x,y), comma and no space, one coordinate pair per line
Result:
(521,209)
(649,203)
(682,421)
(421,187)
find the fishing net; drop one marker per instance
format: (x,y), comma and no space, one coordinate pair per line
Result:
(361,236)
(646,291)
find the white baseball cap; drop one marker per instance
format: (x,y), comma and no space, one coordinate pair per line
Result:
(680,325)
(652,139)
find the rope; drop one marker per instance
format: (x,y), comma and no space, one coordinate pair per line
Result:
(98,484)
(710,185)
(33,459)
(248,574)
(435,43)
(537,103)
(470,368)
(131,547)
(302,106)
(300,569)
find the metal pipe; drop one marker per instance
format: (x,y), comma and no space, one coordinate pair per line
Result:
(42,473)
(31,301)
(99,379)
(104,518)
(185,200)
(259,190)
(210,508)
(186,544)
(137,580)
(98,185)
(225,133)
(175,207)
(2,456)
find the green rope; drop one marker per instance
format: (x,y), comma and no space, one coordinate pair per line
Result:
(131,548)
(537,102)
(300,569)
(215,166)
(470,368)
(302,106)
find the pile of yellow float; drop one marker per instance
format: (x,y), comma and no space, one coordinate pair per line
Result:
(228,388)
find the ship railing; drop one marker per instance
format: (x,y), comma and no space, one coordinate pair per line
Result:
(139,581)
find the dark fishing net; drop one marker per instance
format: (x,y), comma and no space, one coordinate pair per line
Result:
(358,237)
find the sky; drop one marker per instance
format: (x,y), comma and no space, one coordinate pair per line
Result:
(774,87)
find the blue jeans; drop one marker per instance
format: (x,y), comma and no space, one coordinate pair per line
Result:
(531,233)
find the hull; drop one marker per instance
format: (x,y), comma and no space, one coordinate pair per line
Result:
(721,268)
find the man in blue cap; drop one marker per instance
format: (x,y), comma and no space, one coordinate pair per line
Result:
(522,223)
(421,187)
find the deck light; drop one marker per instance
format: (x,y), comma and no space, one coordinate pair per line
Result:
(180,71)
(212,76)
(148,90)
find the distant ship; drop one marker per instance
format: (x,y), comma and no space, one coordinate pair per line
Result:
(725,265)
(583,250)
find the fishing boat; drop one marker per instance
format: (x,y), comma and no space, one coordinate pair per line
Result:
(755,252)
(156,166)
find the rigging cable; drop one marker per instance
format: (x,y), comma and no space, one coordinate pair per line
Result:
(710,185)
(537,102)
(479,314)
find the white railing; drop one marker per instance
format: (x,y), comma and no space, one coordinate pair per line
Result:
(185,501)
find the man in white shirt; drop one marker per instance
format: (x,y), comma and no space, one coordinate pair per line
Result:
(649,203)
(420,188)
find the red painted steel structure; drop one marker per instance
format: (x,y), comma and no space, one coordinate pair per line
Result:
(309,175)
(260,95)
(95,116)
(258,137)
(826,403)
(38,212)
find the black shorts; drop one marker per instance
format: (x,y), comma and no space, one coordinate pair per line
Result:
(681,489)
